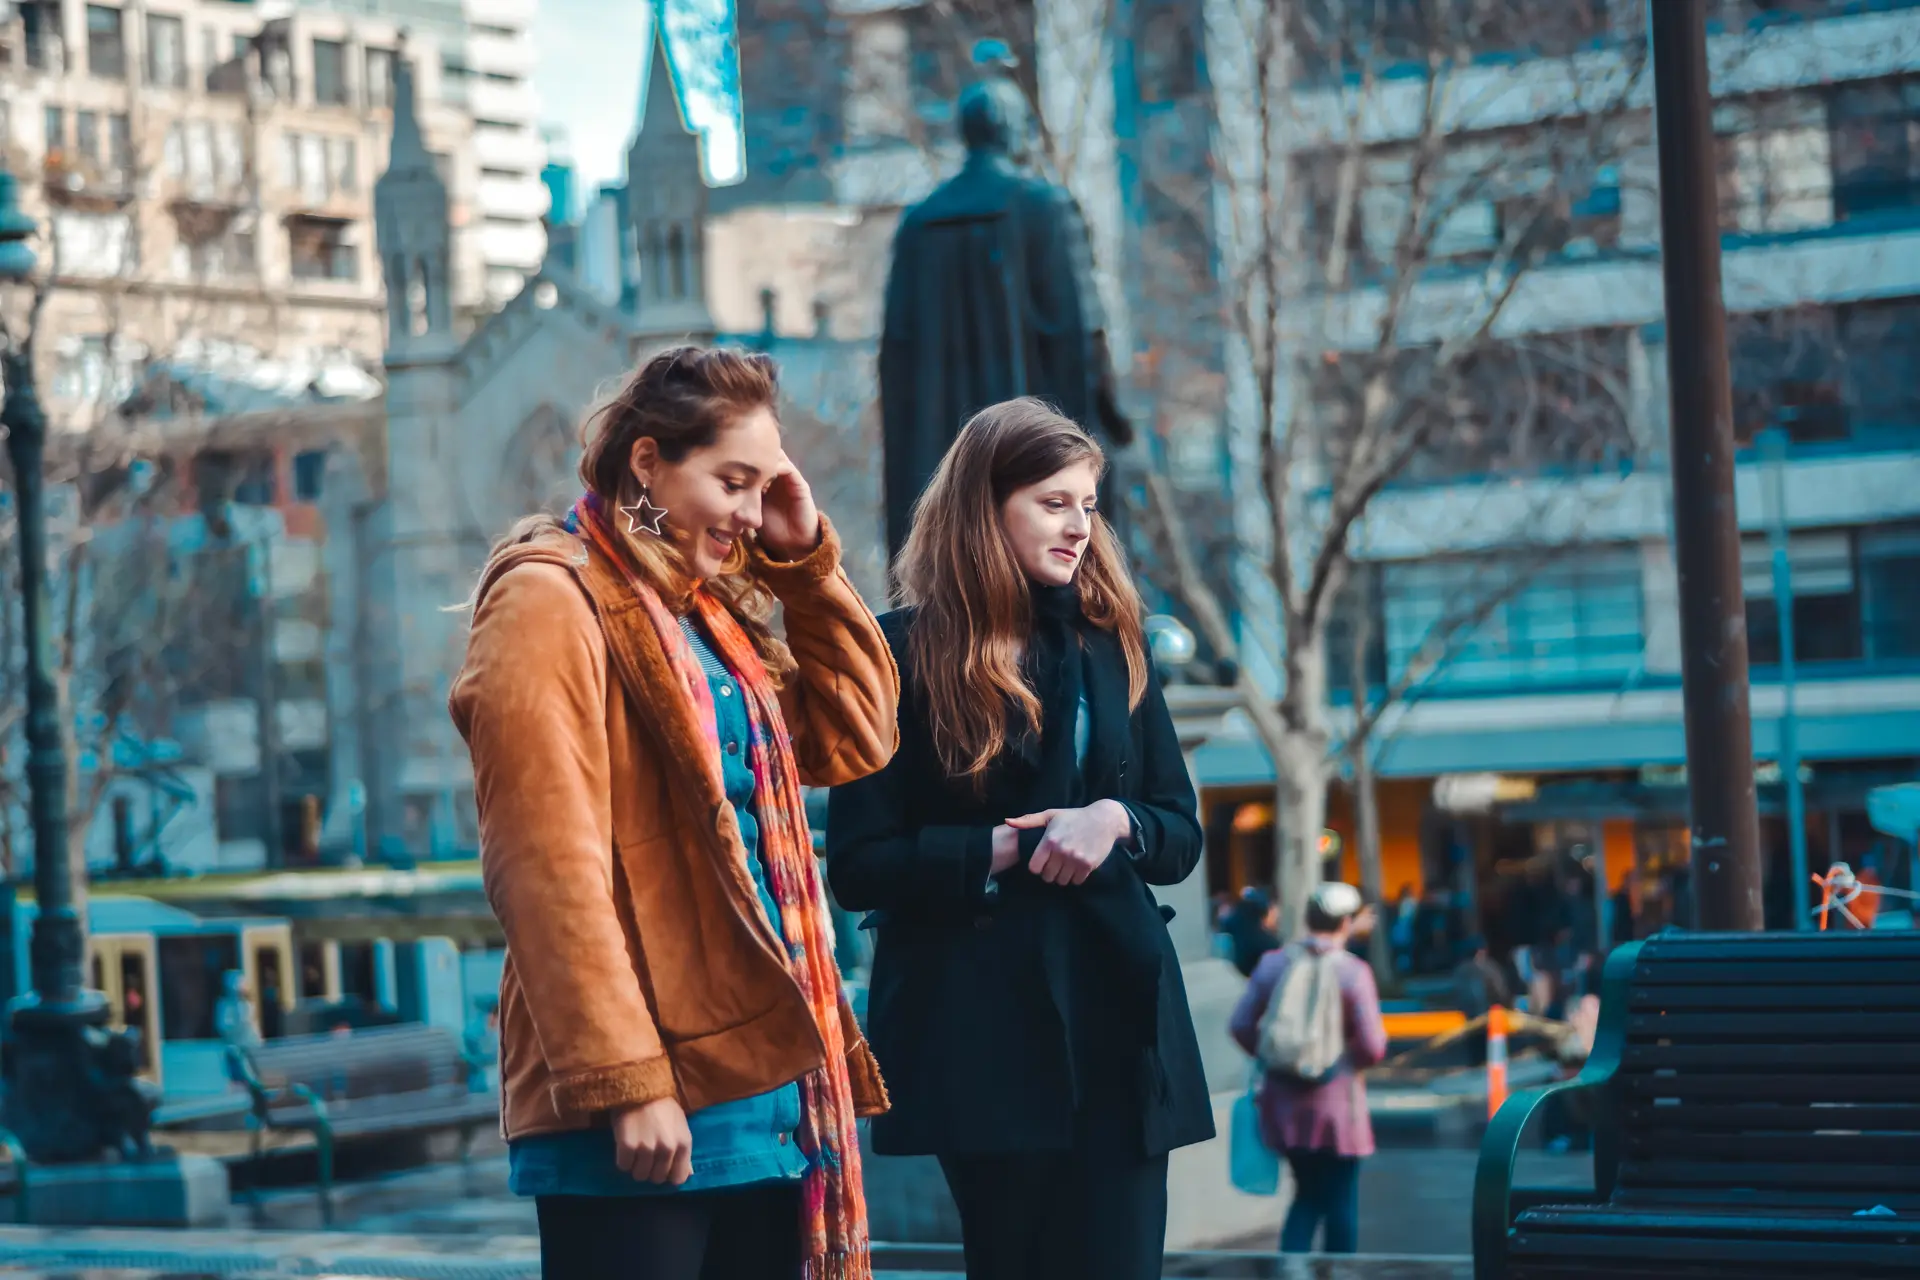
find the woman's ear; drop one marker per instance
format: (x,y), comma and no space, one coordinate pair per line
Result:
(644,457)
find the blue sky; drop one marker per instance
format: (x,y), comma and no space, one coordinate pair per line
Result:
(592,59)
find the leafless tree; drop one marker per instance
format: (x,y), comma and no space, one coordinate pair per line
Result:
(1373,240)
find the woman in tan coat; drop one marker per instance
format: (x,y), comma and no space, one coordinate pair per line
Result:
(681,1072)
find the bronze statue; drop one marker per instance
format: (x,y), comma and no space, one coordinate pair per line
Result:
(991,296)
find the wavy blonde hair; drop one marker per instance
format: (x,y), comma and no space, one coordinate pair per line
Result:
(973,610)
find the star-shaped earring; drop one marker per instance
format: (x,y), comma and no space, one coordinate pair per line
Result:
(643,516)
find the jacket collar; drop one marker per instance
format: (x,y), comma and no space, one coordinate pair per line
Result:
(635,659)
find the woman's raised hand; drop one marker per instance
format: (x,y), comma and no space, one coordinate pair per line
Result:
(789,522)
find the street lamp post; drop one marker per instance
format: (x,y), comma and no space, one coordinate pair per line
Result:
(68,1080)
(1706,530)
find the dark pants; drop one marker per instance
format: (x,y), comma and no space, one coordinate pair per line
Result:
(749,1234)
(1060,1215)
(1326,1188)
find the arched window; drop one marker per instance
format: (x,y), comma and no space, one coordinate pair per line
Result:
(652,259)
(417,298)
(677,260)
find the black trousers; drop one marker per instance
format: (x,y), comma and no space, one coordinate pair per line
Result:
(1078,1215)
(749,1234)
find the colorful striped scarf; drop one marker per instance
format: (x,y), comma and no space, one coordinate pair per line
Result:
(833,1215)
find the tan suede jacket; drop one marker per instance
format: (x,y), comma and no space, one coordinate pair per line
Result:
(635,968)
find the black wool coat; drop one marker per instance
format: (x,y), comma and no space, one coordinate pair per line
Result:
(1031,1017)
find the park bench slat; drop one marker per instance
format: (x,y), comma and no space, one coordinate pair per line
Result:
(1783,973)
(1832,1087)
(1731,1058)
(1622,1244)
(1737,1174)
(1895,996)
(1774,1149)
(1786,1024)
(1769,1117)
(1791,948)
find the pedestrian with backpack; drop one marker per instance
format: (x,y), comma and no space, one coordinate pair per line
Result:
(1311,1017)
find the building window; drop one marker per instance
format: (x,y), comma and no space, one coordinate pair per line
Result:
(225,255)
(315,186)
(228,73)
(119,144)
(193,973)
(453,79)
(83,371)
(379,79)
(106,46)
(86,135)
(1876,147)
(319,167)
(1787,372)
(309,472)
(229,156)
(343,168)
(1573,621)
(1826,603)
(166,52)
(95,245)
(258,485)
(55,124)
(1889,568)
(357,972)
(1882,345)
(40,30)
(1776,171)
(319,249)
(329,73)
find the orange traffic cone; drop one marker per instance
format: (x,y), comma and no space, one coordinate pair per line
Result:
(1496,1059)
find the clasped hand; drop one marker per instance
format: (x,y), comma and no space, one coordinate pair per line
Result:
(1076,843)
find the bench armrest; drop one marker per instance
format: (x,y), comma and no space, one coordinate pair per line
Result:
(1495,1200)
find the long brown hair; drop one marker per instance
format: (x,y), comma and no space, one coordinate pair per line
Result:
(681,399)
(973,607)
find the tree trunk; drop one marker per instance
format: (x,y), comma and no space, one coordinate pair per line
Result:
(1301,773)
(1366,840)
(1366,800)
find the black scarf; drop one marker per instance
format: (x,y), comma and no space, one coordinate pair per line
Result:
(1068,661)
(1056,663)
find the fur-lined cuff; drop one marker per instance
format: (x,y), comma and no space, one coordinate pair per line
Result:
(604,1088)
(816,566)
(869,1090)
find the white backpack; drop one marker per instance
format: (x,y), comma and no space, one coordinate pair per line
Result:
(1303,1035)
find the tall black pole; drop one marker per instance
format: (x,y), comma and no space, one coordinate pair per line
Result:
(59,936)
(52,1097)
(1706,530)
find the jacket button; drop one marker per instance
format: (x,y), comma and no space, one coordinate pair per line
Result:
(733,748)
(785,1138)
(726,691)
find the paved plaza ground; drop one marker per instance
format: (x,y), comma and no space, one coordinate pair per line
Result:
(443,1222)
(1413,1202)
(104,1255)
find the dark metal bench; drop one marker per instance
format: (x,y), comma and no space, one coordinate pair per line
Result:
(1756,1102)
(373,1083)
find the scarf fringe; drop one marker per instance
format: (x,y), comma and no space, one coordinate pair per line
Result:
(839,1266)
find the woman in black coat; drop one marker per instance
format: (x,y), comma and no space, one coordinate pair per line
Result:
(1026,1003)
